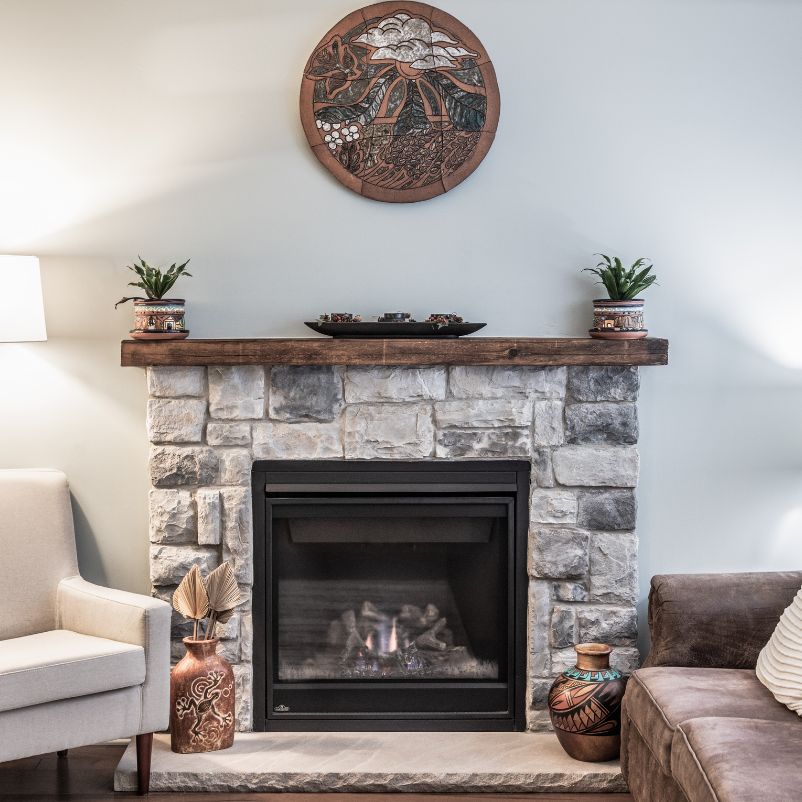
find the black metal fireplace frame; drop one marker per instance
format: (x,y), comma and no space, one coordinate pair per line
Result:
(279,481)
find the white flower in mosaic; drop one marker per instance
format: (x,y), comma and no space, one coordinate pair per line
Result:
(412,41)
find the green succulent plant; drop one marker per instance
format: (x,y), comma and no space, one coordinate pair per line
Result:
(623,284)
(153,280)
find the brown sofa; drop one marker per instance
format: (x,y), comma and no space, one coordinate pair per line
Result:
(697,725)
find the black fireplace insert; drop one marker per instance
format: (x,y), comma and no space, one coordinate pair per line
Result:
(390,595)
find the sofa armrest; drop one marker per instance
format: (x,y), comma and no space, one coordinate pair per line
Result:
(129,618)
(716,620)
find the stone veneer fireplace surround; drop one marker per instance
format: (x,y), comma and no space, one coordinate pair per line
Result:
(577,425)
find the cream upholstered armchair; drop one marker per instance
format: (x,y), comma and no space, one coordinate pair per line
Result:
(79,663)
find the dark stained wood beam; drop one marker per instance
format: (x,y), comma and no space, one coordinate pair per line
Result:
(519,351)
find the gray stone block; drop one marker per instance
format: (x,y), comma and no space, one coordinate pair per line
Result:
(394,384)
(625,659)
(172,516)
(238,531)
(608,510)
(235,466)
(506,382)
(603,383)
(552,506)
(542,470)
(170,564)
(539,693)
(243,683)
(172,466)
(173,382)
(246,637)
(562,660)
(603,422)
(376,431)
(570,591)
(275,440)
(548,429)
(228,434)
(563,627)
(300,393)
(538,624)
(176,420)
(208,502)
(483,413)
(237,393)
(615,626)
(596,466)
(455,443)
(614,568)
(558,553)
(229,650)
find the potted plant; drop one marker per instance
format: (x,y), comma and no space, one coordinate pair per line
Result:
(157,317)
(621,316)
(202,682)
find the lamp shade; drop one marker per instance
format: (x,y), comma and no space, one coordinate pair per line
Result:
(22,312)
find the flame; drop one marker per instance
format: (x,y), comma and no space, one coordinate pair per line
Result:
(392,646)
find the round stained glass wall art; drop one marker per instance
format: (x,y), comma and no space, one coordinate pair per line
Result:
(399,101)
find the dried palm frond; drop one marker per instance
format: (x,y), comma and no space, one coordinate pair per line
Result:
(190,597)
(224,595)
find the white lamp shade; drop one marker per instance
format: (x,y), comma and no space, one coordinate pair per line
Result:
(22,312)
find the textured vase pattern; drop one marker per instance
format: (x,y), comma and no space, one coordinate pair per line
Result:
(159,316)
(618,316)
(585,705)
(201,700)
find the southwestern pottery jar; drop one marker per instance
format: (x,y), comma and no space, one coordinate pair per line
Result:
(159,319)
(201,700)
(618,320)
(585,705)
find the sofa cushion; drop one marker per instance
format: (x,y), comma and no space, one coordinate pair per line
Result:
(658,699)
(779,665)
(61,664)
(738,760)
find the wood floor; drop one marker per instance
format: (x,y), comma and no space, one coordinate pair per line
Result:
(86,774)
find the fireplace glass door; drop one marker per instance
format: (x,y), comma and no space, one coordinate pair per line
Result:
(391,589)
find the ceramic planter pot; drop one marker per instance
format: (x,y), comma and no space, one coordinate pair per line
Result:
(585,705)
(618,320)
(201,700)
(161,319)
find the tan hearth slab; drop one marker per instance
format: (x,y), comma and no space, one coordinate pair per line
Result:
(375,761)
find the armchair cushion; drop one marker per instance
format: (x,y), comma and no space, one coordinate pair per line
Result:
(61,664)
(658,700)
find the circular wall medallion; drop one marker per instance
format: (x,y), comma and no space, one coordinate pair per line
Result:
(400,101)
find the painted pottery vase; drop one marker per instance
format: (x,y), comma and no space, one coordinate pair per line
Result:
(585,705)
(161,319)
(201,700)
(618,320)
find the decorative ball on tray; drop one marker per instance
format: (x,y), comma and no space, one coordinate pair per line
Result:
(393,324)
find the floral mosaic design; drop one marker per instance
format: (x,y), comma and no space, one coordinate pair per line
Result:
(400,101)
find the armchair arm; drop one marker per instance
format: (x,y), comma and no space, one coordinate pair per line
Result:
(716,620)
(129,618)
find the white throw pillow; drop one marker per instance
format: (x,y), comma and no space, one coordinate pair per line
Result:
(779,665)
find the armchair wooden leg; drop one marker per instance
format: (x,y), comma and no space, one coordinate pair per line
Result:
(62,753)
(144,749)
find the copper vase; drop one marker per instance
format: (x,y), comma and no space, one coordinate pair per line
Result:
(201,700)
(585,705)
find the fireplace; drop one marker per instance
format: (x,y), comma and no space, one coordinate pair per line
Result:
(390,595)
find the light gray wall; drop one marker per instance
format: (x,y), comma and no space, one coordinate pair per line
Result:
(665,129)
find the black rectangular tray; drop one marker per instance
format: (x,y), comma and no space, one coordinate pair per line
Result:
(407,330)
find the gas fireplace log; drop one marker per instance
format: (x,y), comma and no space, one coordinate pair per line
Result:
(430,639)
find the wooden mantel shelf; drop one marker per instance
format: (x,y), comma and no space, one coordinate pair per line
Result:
(523,351)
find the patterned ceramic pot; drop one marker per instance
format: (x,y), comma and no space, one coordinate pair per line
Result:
(201,700)
(618,320)
(585,705)
(159,319)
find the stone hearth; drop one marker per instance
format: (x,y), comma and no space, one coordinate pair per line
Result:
(577,425)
